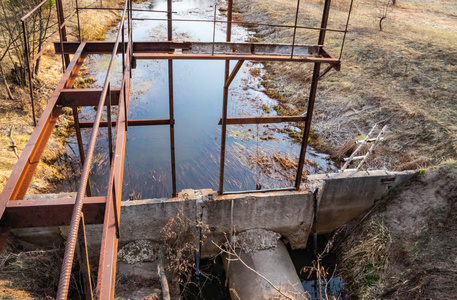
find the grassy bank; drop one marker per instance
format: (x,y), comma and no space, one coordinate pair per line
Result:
(406,248)
(404,76)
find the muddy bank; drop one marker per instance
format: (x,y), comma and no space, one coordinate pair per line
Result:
(409,89)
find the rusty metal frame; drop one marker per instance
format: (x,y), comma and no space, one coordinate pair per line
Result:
(84,209)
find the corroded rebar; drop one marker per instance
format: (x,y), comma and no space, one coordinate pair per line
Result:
(64,281)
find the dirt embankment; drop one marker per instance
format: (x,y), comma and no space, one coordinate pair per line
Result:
(404,76)
(405,249)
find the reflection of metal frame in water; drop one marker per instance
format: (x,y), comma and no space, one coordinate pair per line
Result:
(106,209)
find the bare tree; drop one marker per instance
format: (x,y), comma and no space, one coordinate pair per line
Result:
(11,36)
(383,8)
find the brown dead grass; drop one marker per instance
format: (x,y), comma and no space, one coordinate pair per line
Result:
(406,248)
(18,113)
(40,268)
(404,77)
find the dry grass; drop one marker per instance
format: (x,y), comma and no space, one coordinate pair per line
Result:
(18,113)
(404,76)
(29,274)
(363,261)
(406,248)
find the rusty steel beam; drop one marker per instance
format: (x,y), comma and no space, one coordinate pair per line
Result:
(62,29)
(312,98)
(325,53)
(85,97)
(67,264)
(238,66)
(253,57)
(260,191)
(82,155)
(228,38)
(140,122)
(84,260)
(50,212)
(262,120)
(108,252)
(171,101)
(19,180)
(242,48)
(102,47)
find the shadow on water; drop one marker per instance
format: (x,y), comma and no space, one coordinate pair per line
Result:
(303,260)
(212,285)
(256,154)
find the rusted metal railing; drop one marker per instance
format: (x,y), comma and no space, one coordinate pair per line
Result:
(105,99)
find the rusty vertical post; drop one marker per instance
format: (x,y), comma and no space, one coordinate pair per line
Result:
(312,98)
(110,124)
(295,28)
(84,260)
(225,101)
(130,16)
(62,30)
(171,100)
(29,71)
(77,16)
(82,156)
(123,71)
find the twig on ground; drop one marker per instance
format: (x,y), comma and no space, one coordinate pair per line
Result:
(14,147)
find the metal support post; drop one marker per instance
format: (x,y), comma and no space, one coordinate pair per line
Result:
(295,28)
(110,124)
(77,16)
(312,98)
(171,101)
(225,101)
(62,30)
(84,260)
(82,156)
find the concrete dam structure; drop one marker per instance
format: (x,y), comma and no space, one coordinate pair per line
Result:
(259,219)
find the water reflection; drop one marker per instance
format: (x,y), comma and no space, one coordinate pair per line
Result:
(261,154)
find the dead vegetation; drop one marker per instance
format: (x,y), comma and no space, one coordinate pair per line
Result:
(405,249)
(403,76)
(279,165)
(27,274)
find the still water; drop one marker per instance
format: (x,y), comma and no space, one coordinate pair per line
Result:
(254,154)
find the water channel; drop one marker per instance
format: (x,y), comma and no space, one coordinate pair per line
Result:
(255,153)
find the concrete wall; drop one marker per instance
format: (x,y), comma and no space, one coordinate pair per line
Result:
(347,195)
(290,213)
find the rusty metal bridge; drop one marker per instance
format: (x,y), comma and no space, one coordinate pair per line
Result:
(86,209)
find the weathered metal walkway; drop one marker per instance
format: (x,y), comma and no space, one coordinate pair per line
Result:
(85,209)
